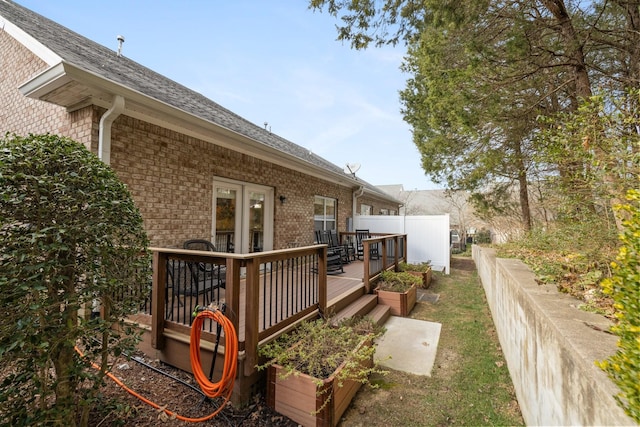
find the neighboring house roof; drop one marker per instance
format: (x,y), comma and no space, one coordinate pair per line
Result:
(391,189)
(83,72)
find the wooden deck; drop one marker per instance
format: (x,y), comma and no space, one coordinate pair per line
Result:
(339,284)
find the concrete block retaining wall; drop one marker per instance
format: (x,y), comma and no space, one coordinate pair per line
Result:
(550,347)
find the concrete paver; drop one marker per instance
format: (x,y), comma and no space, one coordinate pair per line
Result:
(409,345)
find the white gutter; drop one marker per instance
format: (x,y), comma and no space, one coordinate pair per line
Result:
(104,135)
(356,194)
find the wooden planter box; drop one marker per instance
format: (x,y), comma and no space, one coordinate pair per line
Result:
(426,277)
(401,303)
(299,398)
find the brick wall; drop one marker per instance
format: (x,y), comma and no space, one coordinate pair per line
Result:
(22,115)
(171,178)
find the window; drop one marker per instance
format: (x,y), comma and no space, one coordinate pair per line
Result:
(365,209)
(324,213)
(393,212)
(384,211)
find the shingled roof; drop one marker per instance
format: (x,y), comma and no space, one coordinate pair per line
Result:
(95,59)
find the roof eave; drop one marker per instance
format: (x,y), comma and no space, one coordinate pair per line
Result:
(144,107)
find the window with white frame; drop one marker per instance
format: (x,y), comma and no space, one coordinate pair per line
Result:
(325,211)
(365,209)
(384,211)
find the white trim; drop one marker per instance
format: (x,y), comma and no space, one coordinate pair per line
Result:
(40,50)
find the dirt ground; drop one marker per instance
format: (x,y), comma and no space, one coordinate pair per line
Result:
(176,396)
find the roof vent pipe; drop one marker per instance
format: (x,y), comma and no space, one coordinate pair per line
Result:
(120,42)
(104,135)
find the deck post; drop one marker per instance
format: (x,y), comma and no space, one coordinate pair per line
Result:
(383,253)
(366,276)
(252,313)
(158,291)
(406,255)
(232,296)
(322,281)
(396,251)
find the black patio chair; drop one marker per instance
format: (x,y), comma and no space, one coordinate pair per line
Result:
(373,249)
(206,271)
(334,254)
(334,244)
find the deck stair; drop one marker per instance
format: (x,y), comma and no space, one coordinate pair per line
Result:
(356,303)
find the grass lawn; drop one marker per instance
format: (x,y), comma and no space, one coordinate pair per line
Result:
(470,383)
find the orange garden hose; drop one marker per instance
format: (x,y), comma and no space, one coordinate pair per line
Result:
(222,388)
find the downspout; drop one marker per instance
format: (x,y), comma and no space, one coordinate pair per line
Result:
(104,154)
(356,194)
(104,135)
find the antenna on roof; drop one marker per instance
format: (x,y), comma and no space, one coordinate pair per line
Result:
(352,168)
(120,42)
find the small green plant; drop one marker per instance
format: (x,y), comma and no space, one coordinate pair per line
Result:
(317,348)
(624,287)
(420,267)
(397,282)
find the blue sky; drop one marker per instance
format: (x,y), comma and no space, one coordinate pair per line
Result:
(276,62)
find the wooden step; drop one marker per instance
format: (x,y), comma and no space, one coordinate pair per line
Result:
(360,307)
(339,303)
(380,314)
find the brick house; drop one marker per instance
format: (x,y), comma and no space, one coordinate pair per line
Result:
(195,169)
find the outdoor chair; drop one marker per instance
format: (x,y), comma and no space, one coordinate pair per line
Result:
(206,274)
(334,244)
(373,249)
(334,255)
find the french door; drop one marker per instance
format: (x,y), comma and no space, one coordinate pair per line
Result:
(242,217)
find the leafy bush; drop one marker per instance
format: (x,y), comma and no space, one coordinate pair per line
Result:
(483,236)
(70,238)
(573,256)
(318,347)
(398,282)
(420,267)
(624,287)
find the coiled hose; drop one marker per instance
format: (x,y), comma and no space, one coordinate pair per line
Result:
(222,388)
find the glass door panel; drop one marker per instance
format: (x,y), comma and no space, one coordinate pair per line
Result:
(256,221)
(227,218)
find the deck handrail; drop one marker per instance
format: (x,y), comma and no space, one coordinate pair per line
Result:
(391,249)
(263,272)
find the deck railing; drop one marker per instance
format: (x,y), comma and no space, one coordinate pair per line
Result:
(264,293)
(382,251)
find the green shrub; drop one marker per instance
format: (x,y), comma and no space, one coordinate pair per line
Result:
(317,348)
(70,237)
(398,282)
(420,267)
(483,236)
(624,287)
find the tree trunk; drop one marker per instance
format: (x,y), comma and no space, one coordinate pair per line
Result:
(62,354)
(523,186)
(574,48)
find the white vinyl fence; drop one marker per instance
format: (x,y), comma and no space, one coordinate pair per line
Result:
(427,235)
